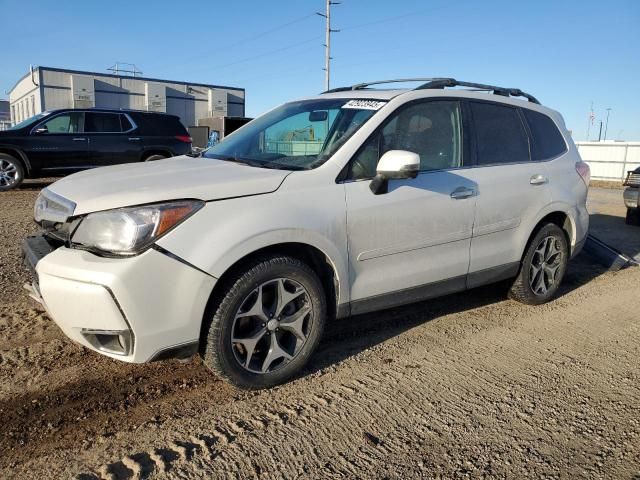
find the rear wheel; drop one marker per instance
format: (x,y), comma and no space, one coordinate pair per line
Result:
(152,158)
(11,172)
(267,325)
(543,267)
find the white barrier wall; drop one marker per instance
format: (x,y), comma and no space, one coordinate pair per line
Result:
(610,160)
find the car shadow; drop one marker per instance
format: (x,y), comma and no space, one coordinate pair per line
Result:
(612,230)
(344,338)
(36,184)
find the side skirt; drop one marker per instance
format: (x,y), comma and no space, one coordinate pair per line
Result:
(430,290)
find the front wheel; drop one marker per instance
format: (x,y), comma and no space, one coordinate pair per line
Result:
(11,172)
(267,324)
(543,267)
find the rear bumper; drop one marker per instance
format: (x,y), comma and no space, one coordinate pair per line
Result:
(135,309)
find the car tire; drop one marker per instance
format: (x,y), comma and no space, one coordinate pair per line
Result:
(152,158)
(542,267)
(11,172)
(633,216)
(266,323)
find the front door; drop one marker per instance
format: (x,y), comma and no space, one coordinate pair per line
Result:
(58,144)
(412,242)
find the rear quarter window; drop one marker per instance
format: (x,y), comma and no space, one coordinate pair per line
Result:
(546,140)
(160,125)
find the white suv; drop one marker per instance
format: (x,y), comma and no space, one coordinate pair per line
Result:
(343,203)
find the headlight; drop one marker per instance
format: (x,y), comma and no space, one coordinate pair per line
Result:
(127,231)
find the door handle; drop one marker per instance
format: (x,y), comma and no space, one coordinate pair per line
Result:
(538,179)
(462,192)
(79,139)
(134,139)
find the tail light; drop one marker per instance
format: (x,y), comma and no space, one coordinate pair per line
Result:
(184,138)
(584,171)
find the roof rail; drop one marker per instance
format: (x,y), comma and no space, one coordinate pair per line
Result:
(442,83)
(452,82)
(361,86)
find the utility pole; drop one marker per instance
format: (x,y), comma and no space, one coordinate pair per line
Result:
(327,42)
(606,125)
(600,134)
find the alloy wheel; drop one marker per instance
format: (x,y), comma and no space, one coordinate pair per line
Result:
(272,325)
(8,173)
(545,265)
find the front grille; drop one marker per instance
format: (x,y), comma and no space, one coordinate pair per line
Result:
(633,179)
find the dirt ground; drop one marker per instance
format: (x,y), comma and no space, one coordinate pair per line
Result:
(470,385)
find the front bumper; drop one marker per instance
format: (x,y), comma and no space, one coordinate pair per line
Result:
(134,309)
(631,197)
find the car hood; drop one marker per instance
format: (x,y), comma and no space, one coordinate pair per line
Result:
(171,179)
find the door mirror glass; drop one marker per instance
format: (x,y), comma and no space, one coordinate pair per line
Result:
(41,130)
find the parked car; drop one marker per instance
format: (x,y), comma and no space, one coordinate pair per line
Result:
(65,141)
(351,201)
(631,197)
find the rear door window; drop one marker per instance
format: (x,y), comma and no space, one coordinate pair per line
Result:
(546,141)
(500,134)
(102,123)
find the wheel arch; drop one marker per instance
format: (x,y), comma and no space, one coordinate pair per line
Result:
(313,256)
(19,155)
(155,151)
(562,219)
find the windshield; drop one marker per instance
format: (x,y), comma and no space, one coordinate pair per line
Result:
(298,135)
(28,121)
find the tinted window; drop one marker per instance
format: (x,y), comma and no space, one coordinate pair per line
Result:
(500,134)
(65,123)
(546,140)
(126,124)
(102,122)
(430,129)
(156,124)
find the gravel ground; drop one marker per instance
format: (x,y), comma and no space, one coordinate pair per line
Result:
(470,385)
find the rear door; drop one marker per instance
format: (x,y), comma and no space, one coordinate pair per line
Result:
(58,144)
(112,138)
(512,190)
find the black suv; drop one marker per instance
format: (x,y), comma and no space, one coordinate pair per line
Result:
(64,141)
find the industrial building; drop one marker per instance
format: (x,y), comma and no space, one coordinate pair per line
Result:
(5,115)
(45,88)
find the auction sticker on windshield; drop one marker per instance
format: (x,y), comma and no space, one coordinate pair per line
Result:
(364,104)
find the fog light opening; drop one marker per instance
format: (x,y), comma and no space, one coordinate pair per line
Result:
(117,342)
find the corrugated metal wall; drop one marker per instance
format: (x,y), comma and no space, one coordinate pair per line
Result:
(610,160)
(189,101)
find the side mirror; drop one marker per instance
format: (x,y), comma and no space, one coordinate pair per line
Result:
(318,115)
(41,130)
(395,164)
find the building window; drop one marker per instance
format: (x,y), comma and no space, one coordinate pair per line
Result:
(14,120)
(33,105)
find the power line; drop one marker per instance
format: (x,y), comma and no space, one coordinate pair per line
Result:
(249,39)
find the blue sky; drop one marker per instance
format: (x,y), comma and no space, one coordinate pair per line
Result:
(567,53)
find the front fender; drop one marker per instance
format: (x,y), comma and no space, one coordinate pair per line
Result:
(224,232)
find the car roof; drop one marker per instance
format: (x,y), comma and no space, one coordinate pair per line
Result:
(436,88)
(108,110)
